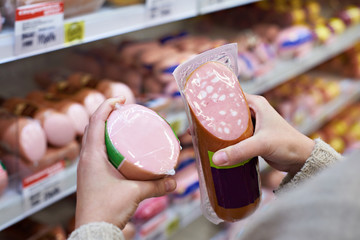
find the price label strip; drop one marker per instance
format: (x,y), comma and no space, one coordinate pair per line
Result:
(43,186)
(157,9)
(39,26)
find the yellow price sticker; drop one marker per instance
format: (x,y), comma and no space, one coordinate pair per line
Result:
(74,31)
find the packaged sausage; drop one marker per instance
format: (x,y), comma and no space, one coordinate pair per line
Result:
(219,117)
(17,165)
(22,136)
(75,111)
(150,207)
(140,143)
(57,126)
(89,98)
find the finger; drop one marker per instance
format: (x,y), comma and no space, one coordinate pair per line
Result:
(239,152)
(129,231)
(96,128)
(156,188)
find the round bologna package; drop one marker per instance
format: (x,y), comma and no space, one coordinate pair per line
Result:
(140,143)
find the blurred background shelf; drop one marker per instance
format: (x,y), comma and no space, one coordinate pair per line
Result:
(287,69)
(12,203)
(209,6)
(330,109)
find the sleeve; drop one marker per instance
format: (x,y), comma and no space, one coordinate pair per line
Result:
(322,156)
(97,231)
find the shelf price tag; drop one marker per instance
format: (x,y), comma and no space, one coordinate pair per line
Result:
(38,26)
(74,32)
(43,186)
(157,9)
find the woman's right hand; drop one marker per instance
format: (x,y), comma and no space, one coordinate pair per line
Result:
(282,146)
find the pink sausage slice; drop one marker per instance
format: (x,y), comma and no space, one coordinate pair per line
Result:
(209,92)
(140,143)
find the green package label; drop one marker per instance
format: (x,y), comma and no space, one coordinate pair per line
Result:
(212,164)
(2,165)
(115,157)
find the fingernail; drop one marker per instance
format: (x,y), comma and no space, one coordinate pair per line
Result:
(170,185)
(220,158)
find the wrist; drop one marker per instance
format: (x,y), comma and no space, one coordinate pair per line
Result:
(304,150)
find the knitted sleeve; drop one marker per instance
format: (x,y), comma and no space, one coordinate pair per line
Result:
(97,231)
(322,156)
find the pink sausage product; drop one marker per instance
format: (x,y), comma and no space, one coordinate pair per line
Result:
(57,126)
(220,117)
(17,165)
(140,143)
(75,111)
(112,89)
(187,180)
(23,136)
(91,99)
(151,207)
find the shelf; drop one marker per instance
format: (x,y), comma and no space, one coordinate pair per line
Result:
(105,23)
(286,69)
(12,207)
(209,6)
(330,109)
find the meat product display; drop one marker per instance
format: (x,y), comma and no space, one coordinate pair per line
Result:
(187,180)
(294,42)
(164,68)
(151,207)
(17,165)
(57,126)
(23,136)
(220,117)
(112,89)
(75,111)
(141,144)
(89,98)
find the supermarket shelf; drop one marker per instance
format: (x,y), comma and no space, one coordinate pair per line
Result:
(329,110)
(12,206)
(12,203)
(105,23)
(286,69)
(209,6)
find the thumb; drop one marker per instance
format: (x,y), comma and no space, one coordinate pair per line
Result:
(156,188)
(238,153)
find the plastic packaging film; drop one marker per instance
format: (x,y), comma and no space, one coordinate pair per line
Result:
(219,117)
(140,143)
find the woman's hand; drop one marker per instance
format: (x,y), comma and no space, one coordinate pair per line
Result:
(103,194)
(275,140)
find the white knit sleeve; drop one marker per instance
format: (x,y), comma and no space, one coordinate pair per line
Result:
(97,231)
(322,156)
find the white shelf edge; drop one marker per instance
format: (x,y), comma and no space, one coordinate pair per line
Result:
(114,22)
(12,203)
(224,5)
(329,110)
(286,69)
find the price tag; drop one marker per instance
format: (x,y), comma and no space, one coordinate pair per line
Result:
(43,186)
(157,9)
(74,31)
(39,26)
